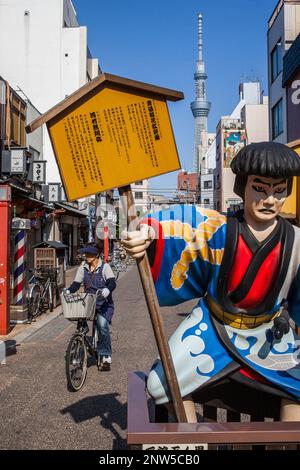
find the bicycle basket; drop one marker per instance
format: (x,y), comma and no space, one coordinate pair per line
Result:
(78,306)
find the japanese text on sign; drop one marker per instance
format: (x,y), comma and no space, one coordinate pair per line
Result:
(113,139)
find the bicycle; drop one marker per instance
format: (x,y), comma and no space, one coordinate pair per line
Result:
(118,264)
(41,289)
(80,307)
(115,269)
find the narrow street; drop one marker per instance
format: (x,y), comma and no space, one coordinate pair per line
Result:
(38,412)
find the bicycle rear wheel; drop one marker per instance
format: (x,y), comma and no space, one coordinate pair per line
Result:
(76,362)
(115,271)
(50,297)
(34,304)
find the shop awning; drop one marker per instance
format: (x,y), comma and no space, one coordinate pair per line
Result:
(71,210)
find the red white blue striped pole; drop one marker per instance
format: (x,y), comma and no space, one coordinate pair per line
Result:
(19,267)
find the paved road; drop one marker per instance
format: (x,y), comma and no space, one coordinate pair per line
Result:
(37,411)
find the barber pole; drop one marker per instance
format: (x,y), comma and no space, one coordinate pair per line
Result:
(19,267)
(105,244)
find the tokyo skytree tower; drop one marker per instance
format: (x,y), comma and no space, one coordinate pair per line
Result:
(200,107)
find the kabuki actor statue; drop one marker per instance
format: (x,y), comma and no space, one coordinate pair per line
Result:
(245,268)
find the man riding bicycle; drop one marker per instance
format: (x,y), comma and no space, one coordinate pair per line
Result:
(98,276)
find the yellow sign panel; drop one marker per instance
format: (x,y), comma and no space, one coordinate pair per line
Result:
(291,206)
(112,139)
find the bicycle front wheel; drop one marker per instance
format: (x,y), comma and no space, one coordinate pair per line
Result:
(76,363)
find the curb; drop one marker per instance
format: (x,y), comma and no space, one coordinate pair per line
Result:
(33,328)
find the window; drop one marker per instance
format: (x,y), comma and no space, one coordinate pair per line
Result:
(207,184)
(139,183)
(139,211)
(277,119)
(206,201)
(138,195)
(276,61)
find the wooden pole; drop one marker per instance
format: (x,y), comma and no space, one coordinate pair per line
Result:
(155,316)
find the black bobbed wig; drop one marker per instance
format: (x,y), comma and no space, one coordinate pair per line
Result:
(268,159)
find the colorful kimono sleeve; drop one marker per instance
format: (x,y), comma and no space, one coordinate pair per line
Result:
(189,242)
(294,299)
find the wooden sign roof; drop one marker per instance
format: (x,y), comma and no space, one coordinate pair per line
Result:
(111,132)
(104,79)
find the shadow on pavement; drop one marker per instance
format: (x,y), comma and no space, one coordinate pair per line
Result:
(11,347)
(110,411)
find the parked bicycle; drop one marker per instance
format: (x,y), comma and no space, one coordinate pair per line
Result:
(80,307)
(118,263)
(115,268)
(41,291)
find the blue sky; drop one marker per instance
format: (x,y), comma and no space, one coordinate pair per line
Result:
(156,41)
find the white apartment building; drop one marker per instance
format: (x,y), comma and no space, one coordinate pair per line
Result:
(283,28)
(208,164)
(140,190)
(44,52)
(256,120)
(247,123)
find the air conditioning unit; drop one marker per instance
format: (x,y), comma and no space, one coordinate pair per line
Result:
(14,161)
(21,224)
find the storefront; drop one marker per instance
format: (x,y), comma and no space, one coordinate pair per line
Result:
(70,220)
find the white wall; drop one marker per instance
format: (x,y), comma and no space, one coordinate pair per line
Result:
(251,92)
(69,13)
(256,118)
(142,205)
(291,22)
(227,186)
(32,55)
(74,59)
(93,67)
(30,46)
(210,156)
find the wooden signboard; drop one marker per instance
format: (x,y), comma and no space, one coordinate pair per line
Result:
(108,134)
(111,132)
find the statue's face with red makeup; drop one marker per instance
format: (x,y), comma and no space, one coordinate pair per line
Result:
(264,197)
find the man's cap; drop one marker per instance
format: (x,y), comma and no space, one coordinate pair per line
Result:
(89,250)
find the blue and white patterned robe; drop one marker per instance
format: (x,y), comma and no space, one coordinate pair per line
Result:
(186,266)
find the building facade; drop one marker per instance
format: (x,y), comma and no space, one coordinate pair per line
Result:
(283,28)
(207,151)
(207,189)
(53,55)
(291,83)
(188,186)
(247,123)
(140,190)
